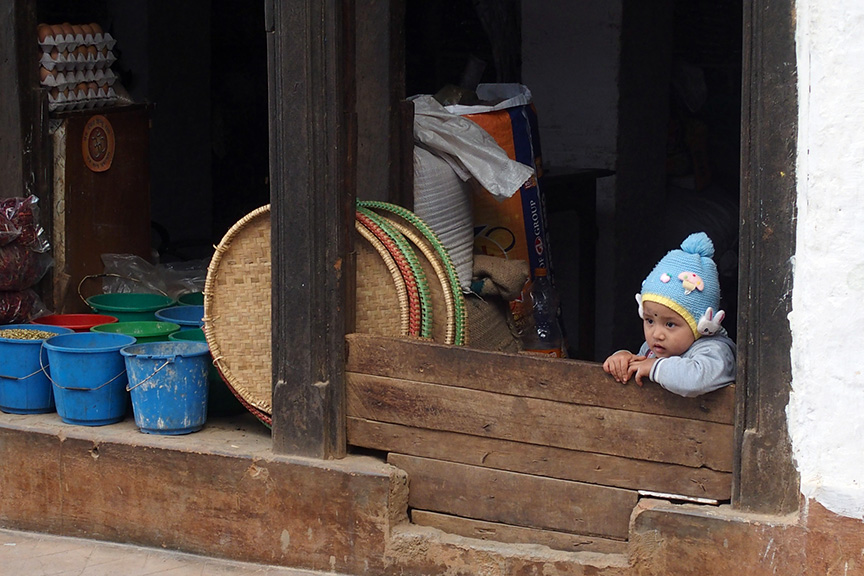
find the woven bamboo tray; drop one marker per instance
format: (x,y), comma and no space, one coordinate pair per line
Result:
(237,311)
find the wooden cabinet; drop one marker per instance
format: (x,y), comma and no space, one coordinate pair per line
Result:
(101,195)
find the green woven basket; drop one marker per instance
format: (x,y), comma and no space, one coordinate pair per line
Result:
(446,305)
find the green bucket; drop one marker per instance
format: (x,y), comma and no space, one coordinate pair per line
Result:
(130,306)
(142,331)
(221,401)
(191,299)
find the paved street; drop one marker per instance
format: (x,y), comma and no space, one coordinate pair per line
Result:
(31,554)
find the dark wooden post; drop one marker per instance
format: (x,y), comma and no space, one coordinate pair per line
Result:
(25,151)
(310,53)
(765,478)
(25,147)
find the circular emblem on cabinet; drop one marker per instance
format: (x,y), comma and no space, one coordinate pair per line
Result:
(97,144)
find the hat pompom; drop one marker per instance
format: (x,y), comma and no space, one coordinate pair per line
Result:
(698,243)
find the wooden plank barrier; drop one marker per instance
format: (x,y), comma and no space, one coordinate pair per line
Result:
(477,431)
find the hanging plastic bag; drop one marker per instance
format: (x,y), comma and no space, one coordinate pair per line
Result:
(20,223)
(20,307)
(24,256)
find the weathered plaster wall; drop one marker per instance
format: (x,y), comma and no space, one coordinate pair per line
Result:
(827,402)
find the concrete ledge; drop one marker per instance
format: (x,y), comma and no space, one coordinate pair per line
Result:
(219,492)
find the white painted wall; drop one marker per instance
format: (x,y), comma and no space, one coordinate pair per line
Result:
(826,411)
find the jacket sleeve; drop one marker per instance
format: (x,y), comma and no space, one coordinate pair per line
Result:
(709,364)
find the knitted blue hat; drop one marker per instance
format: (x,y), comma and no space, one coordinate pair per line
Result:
(686,281)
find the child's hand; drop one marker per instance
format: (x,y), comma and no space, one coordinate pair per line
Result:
(641,368)
(618,365)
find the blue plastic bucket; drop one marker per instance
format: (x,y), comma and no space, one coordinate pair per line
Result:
(89,377)
(221,401)
(188,317)
(168,384)
(24,385)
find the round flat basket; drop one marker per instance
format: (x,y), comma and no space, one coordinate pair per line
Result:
(382,298)
(447,302)
(237,311)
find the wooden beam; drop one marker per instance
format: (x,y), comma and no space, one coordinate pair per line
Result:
(539,460)
(568,381)
(11,162)
(498,532)
(588,428)
(494,496)
(380,79)
(766,480)
(311,93)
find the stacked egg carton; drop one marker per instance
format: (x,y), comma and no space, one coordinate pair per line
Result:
(75,65)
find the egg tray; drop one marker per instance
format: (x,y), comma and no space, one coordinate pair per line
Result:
(71,78)
(63,61)
(80,100)
(70,42)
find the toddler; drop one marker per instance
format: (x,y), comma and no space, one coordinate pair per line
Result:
(686,350)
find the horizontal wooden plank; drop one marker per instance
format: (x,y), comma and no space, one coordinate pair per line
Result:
(498,496)
(586,428)
(558,379)
(541,460)
(517,534)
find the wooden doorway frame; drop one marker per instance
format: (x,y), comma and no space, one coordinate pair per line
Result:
(765,477)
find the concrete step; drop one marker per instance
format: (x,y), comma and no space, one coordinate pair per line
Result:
(36,554)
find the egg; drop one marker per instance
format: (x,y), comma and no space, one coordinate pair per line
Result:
(81,53)
(55,93)
(44,73)
(97,29)
(55,54)
(67,29)
(92,52)
(44,31)
(86,29)
(92,86)
(57,31)
(77,30)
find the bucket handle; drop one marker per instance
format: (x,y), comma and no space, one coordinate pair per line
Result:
(109,275)
(164,364)
(76,388)
(41,369)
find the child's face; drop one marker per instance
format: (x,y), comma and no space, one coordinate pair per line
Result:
(666,332)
